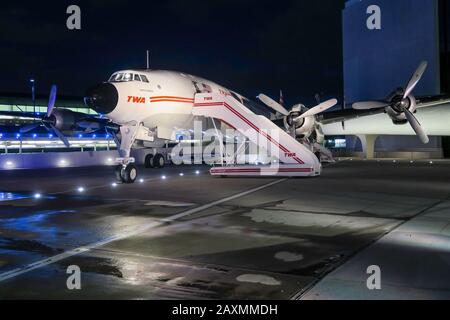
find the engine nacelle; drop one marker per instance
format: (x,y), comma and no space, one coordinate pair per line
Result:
(303,127)
(396,113)
(65,120)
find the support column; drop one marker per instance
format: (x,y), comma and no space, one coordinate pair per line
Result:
(368,145)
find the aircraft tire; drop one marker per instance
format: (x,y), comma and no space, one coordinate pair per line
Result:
(159,161)
(149,161)
(129,174)
(118,173)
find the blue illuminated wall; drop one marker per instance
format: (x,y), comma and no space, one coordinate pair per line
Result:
(378,61)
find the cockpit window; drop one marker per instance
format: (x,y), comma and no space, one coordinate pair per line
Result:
(125,77)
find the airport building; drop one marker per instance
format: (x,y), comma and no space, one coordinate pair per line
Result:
(383,42)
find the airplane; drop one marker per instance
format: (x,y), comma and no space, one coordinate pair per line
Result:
(147,105)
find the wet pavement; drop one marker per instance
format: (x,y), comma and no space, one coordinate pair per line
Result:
(201,237)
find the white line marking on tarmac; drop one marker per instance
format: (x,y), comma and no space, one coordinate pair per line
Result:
(42,263)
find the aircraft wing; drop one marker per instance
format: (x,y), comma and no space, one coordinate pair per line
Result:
(30,115)
(82,120)
(350,114)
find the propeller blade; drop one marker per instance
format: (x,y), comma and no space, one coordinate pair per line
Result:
(51,100)
(415,79)
(367,105)
(318,109)
(415,124)
(60,135)
(273,104)
(30,127)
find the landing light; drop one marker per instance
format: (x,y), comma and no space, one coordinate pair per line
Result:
(80,189)
(114,184)
(181,174)
(164,177)
(197,172)
(141,180)
(37,196)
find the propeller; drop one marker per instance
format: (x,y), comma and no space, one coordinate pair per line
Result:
(415,79)
(415,124)
(324,106)
(46,120)
(401,102)
(30,127)
(51,101)
(273,104)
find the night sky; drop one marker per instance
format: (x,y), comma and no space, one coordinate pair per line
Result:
(247,46)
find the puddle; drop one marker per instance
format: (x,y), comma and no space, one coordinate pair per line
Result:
(259,279)
(9,196)
(288,256)
(169,204)
(96,265)
(28,246)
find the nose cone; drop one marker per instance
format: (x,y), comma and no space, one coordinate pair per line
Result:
(102,98)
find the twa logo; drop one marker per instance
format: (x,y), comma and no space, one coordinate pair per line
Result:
(290,155)
(134,99)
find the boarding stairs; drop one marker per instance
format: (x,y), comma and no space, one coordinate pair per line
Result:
(294,159)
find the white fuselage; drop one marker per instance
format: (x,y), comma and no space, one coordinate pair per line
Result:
(166,100)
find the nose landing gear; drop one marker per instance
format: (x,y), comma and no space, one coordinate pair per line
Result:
(127,174)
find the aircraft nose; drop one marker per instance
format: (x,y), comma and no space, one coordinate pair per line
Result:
(102,98)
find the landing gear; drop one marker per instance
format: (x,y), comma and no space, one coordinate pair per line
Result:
(126,174)
(149,161)
(155,161)
(159,161)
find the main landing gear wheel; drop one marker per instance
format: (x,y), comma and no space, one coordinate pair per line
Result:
(127,174)
(159,161)
(149,161)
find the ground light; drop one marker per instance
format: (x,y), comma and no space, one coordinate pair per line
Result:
(80,189)
(163,177)
(181,174)
(141,180)
(197,172)
(114,184)
(37,195)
